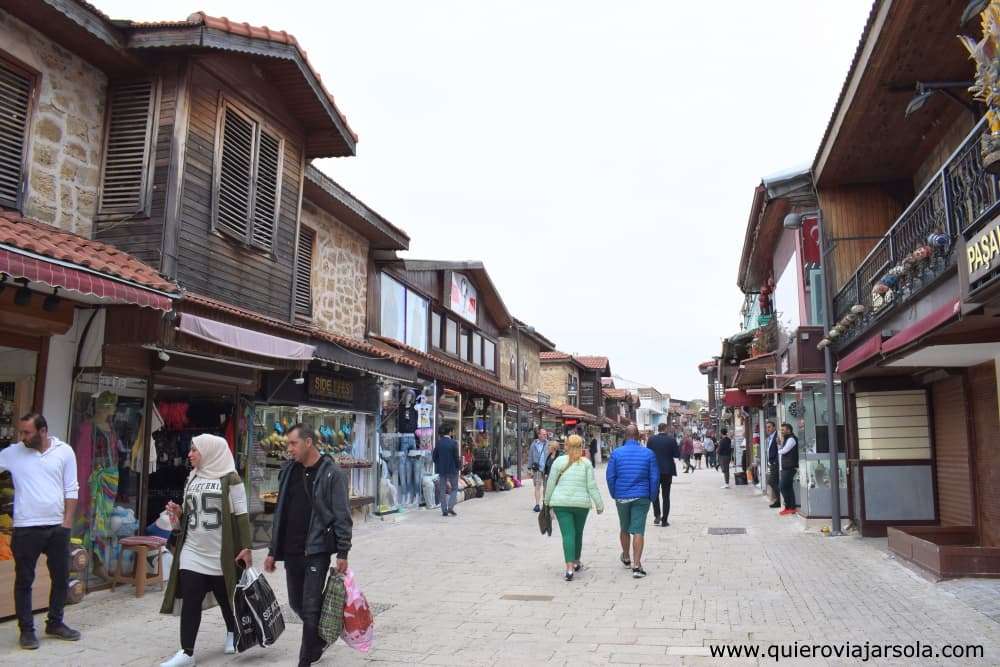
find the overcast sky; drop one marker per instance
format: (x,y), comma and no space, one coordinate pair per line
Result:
(599,157)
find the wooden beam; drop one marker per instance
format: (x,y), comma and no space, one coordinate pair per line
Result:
(41,368)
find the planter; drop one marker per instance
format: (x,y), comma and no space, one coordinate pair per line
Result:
(945,551)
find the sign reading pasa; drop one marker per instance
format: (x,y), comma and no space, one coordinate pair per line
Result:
(982,251)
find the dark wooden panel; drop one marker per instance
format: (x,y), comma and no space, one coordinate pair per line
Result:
(986,422)
(951,446)
(127,360)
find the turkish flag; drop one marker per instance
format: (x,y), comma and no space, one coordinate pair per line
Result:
(810,241)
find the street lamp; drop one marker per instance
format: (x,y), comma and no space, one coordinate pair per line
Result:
(794,221)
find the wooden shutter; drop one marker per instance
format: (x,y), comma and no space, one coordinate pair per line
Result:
(232,208)
(15,100)
(125,173)
(265,204)
(303,273)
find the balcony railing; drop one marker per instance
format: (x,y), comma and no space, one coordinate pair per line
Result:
(919,248)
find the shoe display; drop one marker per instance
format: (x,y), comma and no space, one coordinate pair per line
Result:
(180,659)
(62,631)
(28,640)
(230,647)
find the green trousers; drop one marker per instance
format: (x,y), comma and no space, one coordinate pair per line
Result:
(571,522)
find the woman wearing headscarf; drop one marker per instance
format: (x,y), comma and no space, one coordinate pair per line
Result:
(213,536)
(571,491)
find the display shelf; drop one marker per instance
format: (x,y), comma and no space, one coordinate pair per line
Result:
(354,466)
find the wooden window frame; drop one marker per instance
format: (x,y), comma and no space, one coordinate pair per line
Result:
(143,211)
(407,292)
(260,125)
(34,76)
(440,337)
(295,276)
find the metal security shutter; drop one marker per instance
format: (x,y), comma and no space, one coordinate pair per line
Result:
(15,101)
(265,203)
(951,451)
(303,273)
(125,172)
(235,174)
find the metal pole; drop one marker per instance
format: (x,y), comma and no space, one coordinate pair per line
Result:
(831,400)
(517,375)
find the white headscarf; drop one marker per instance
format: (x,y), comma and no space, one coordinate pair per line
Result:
(216,459)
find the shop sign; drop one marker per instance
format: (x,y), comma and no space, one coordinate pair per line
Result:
(462,297)
(982,251)
(329,388)
(570,422)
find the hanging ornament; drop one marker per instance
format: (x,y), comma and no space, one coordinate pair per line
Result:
(858,309)
(938,240)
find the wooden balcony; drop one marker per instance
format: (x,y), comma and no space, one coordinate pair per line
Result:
(918,250)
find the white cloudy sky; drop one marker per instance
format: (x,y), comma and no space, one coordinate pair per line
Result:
(599,157)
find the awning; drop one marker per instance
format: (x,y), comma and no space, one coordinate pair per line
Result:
(245,340)
(737,398)
(860,354)
(90,283)
(923,326)
(755,369)
(341,355)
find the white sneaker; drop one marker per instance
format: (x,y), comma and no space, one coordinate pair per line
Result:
(182,659)
(230,644)
(725,486)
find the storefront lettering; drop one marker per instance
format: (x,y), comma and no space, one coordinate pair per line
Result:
(327,388)
(982,250)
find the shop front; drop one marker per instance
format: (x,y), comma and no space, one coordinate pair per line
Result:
(406,437)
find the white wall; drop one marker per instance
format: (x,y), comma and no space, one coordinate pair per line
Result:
(59,375)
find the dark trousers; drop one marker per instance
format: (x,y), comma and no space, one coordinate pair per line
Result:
(788,487)
(194,586)
(724,462)
(665,481)
(772,480)
(306,578)
(28,544)
(448,490)
(687,463)
(713,459)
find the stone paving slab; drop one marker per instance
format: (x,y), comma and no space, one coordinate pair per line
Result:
(443,588)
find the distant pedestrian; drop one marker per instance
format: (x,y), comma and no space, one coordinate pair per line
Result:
(772,463)
(43,469)
(447,464)
(687,451)
(711,458)
(550,458)
(789,453)
(633,477)
(593,451)
(571,491)
(699,450)
(725,455)
(665,448)
(536,464)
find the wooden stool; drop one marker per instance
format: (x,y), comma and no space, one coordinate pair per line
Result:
(140,545)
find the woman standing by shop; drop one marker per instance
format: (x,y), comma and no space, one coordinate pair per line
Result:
(213,535)
(571,491)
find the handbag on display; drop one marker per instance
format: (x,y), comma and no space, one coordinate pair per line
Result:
(258,615)
(331,615)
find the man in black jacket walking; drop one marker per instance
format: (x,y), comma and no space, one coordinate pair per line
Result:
(772,462)
(665,448)
(725,455)
(447,464)
(311,521)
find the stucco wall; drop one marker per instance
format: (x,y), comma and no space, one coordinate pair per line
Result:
(67,129)
(339,274)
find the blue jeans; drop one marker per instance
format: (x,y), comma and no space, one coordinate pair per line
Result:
(448,499)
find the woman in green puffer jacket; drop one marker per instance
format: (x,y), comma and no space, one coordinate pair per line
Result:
(570,491)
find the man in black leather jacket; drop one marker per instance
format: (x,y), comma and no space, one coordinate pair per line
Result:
(312,521)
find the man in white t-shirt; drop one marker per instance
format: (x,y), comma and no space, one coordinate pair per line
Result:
(44,472)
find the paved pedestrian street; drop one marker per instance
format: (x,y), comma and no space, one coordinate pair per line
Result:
(486,589)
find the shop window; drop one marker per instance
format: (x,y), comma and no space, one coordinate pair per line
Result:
(477,349)
(127,147)
(248,179)
(303,272)
(416,321)
(15,104)
(404,314)
(463,345)
(489,355)
(451,336)
(436,331)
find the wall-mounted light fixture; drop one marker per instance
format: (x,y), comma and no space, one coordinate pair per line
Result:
(23,295)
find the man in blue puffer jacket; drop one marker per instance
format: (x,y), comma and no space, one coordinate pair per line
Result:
(633,480)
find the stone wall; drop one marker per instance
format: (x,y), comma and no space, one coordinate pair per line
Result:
(67,129)
(554,380)
(339,274)
(531,379)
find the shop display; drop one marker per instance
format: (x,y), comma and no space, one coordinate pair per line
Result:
(405,446)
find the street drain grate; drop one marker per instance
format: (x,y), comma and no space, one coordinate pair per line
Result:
(292,618)
(521,597)
(727,531)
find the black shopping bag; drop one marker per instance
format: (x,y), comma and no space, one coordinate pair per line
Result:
(258,614)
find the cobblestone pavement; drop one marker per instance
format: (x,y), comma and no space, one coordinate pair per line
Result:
(474,590)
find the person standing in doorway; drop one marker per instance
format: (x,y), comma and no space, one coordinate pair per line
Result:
(711,459)
(725,456)
(312,521)
(665,448)
(633,477)
(571,491)
(447,464)
(687,451)
(789,453)
(536,464)
(772,463)
(44,472)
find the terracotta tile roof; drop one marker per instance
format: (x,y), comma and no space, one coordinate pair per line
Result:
(554,355)
(593,363)
(31,235)
(607,382)
(616,394)
(573,412)
(244,29)
(363,346)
